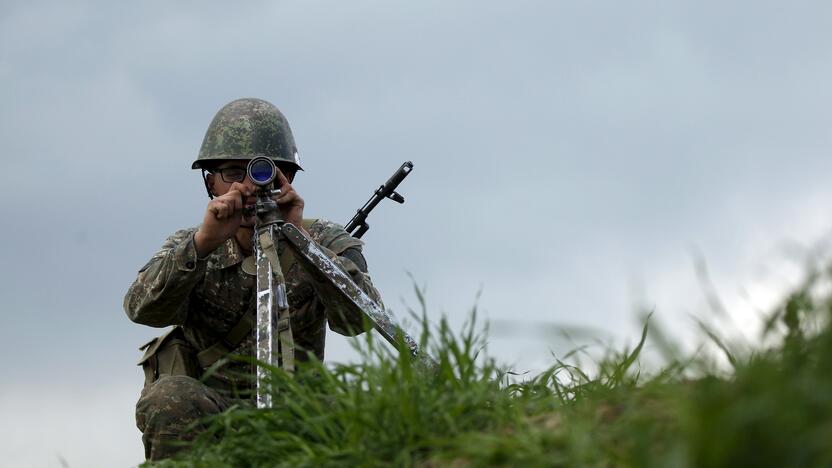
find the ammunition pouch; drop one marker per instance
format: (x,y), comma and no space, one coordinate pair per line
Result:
(169,354)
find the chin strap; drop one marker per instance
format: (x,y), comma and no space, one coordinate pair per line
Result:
(205,181)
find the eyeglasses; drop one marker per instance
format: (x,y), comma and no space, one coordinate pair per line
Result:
(231,174)
(238,174)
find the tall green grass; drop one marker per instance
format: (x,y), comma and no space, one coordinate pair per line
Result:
(772,408)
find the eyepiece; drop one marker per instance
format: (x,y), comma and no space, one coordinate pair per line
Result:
(262,171)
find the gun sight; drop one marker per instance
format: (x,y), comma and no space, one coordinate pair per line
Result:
(262,171)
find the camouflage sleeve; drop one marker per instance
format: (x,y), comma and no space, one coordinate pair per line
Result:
(335,241)
(159,296)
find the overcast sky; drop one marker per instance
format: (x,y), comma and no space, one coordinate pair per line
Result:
(571,160)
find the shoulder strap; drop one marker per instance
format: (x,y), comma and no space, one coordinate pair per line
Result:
(234,337)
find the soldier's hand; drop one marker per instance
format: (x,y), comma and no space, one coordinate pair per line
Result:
(289,202)
(222,219)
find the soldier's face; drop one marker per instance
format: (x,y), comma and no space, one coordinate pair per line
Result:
(220,184)
(220,181)
(227,174)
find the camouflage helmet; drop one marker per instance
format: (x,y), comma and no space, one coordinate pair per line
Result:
(246,128)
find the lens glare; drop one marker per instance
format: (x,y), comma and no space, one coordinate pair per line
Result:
(261,172)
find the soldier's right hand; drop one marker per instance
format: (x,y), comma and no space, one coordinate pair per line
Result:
(222,219)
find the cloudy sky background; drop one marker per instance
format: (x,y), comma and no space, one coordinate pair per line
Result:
(571,161)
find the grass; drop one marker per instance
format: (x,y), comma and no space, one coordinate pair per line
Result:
(773,407)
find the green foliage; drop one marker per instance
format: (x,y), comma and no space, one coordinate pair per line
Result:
(774,409)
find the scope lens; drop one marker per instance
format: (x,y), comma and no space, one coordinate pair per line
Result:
(262,172)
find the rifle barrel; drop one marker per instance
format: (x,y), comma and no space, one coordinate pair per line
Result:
(388,190)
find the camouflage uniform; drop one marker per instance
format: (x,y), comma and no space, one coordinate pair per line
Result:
(206,298)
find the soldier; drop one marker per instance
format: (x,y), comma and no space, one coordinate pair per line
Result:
(203,280)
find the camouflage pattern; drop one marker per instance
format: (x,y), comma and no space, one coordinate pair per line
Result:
(207,297)
(169,412)
(246,128)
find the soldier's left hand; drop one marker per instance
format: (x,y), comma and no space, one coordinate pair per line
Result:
(289,202)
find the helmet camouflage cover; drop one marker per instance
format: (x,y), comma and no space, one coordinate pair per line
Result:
(247,128)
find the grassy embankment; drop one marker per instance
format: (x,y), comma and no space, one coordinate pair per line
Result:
(773,408)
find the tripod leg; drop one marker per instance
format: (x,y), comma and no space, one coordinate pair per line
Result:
(273,325)
(350,298)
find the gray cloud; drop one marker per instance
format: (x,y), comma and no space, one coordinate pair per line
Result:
(563,151)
